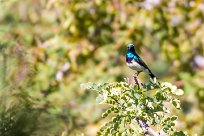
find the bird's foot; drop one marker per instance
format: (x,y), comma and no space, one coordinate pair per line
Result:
(136,74)
(135,79)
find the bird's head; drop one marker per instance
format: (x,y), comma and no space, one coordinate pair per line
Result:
(131,47)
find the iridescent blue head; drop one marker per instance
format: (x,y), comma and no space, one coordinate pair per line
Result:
(131,48)
(131,54)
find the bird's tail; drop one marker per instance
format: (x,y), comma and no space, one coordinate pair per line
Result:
(152,75)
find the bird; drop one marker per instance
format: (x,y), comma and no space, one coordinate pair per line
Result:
(134,62)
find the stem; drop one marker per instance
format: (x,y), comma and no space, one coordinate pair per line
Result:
(136,81)
(143,124)
(115,100)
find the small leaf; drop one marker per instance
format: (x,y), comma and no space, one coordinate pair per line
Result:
(114,119)
(104,115)
(173,118)
(129,104)
(179,133)
(165,129)
(172,124)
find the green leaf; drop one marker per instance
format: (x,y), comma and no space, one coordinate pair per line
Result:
(173,118)
(179,133)
(104,115)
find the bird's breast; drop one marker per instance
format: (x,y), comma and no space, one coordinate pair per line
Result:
(135,66)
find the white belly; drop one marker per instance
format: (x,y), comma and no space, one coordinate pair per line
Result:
(135,66)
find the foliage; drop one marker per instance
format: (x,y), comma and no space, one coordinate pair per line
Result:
(18,120)
(129,104)
(49,47)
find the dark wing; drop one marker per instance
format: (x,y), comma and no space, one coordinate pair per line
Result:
(139,60)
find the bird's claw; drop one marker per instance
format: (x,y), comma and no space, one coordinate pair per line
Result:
(135,79)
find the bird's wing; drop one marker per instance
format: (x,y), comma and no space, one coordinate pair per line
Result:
(139,60)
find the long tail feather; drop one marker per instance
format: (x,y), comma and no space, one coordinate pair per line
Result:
(152,75)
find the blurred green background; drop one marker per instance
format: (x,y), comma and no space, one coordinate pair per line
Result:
(49,47)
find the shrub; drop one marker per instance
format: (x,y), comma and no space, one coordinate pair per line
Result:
(135,109)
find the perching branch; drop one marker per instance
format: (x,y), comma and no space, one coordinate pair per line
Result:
(143,124)
(135,79)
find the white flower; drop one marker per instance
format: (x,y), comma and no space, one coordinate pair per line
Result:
(178,92)
(199,60)
(59,75)
(166,84)
(149,4)
(101,99)
(115,91)
(66,66)
(176,20)
(173,88)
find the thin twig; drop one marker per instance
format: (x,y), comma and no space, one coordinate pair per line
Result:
(143,124)
(135,79)
(148,131)
(115,100)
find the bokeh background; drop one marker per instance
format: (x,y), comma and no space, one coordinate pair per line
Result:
(49,47)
